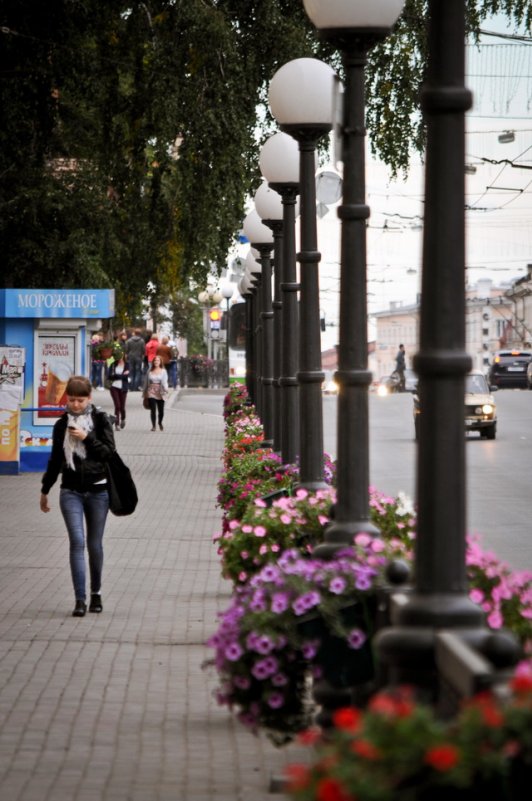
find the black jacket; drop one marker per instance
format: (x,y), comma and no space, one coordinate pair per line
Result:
(112,375)
(100,445)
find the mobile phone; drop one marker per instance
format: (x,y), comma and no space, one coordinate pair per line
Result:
(71,428)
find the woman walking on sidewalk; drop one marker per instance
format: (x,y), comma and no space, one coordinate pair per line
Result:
(156,390)
(119,378)
(82,443)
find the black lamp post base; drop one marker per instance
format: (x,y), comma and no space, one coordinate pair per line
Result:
(341,534)
(409,648)
(312,486)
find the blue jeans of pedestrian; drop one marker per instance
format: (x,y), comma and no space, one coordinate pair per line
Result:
(135,373)
(96,374)
(91,508)
(172,373)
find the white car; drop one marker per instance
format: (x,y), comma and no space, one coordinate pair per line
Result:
(480,407)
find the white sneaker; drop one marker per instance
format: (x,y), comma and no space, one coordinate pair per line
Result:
(100,389)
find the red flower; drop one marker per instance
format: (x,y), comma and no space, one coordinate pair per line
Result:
(442,757)
(309,737)
(521,684)
(366,750)
(347,719)
(297,777)
(332,790)
(383,704)
(492,716)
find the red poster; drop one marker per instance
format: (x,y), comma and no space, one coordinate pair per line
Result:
(54,364)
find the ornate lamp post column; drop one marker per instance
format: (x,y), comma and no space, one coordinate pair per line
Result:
(354,27)
(279,163)
(245,287)
(301,97)
(209,297)
(270,209)
(253,274)
(227,291)
(261,238)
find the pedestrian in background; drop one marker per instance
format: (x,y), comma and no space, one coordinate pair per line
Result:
(172,366)
(400,366)
(165,352)
(135,350)
(151,348)
(156,390)
(119,378)
(97,363)
(82,442)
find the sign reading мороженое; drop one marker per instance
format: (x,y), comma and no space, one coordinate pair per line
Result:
(66,303)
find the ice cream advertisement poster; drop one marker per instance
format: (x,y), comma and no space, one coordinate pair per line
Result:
(54,364)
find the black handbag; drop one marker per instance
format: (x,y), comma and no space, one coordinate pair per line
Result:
(123,496)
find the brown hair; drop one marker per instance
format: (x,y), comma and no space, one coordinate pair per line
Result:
(78,386)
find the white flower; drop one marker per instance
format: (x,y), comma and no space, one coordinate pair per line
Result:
(405,504)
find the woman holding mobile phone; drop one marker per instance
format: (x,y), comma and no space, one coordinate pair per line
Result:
(82,442)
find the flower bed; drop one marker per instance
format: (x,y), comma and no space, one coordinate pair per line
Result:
(287,606)
(267,645)
(398,750)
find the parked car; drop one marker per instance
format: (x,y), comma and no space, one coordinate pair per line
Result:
(509,368)
(529,375)
(480,408)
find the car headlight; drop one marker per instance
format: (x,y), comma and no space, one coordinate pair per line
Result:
(487,408)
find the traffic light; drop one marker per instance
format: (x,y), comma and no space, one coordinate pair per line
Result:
(215,316)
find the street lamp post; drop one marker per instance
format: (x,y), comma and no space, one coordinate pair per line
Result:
(245,289)
(353,27)
(261,238)
(301,95)
(269,207)
(253,274)
(227,291)
(440,598)
(209,297)
(279,164)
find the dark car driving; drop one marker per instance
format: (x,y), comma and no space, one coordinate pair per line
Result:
(509,367)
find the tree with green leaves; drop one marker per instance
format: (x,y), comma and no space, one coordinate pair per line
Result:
(130,130)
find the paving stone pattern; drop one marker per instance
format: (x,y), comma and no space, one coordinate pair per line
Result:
(117,707)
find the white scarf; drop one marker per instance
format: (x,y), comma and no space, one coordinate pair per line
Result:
(71,445)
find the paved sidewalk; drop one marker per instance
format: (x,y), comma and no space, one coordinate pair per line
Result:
(116,707)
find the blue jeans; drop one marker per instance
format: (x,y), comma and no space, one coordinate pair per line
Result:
(96,374)
(93,507)
(135,372)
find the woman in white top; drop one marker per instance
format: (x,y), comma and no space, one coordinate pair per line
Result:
(156,390)
(119,378)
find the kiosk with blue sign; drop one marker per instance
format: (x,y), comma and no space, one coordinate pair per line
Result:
(53,327)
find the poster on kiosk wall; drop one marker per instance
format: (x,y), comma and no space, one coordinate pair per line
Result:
(55,359)
(11,392)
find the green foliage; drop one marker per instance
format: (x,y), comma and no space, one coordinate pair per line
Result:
(129,139)
(396,70)
(151,107)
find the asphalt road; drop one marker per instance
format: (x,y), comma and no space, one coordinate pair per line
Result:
(499,495)
(499,472)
